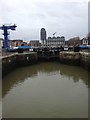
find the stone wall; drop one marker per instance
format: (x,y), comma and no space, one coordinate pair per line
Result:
(13,61)
(72,58)
(85,60)
(76,58)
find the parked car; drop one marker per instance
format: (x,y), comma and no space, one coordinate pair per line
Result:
(65,48)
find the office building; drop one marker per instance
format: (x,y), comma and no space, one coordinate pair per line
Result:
(56,41)
(43,36)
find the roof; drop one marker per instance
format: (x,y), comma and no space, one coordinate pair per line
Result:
(84,47)
(24,47)
(17,40)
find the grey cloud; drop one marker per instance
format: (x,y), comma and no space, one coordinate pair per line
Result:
(89,17)
(67,18)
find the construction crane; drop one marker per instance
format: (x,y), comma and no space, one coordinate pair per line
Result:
(5,28)
(54,34)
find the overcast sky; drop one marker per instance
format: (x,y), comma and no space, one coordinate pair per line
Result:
(68,19)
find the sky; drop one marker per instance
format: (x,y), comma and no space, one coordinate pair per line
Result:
(67,18)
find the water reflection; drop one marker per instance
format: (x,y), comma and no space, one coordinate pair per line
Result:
(46,90)
(19,75)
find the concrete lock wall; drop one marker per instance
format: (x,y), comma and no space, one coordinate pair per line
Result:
(11,62)
(72,58)
(85,60)
(76,58)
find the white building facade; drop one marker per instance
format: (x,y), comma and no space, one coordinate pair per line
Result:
(55,41)
(84,41)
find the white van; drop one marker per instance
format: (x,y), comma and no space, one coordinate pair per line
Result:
(66,48)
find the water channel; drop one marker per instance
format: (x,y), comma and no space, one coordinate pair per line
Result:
(46,90)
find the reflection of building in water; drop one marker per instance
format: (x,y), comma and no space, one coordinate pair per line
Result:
(20,75)
(56,41)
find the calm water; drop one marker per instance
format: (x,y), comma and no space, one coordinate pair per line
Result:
(46,90)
